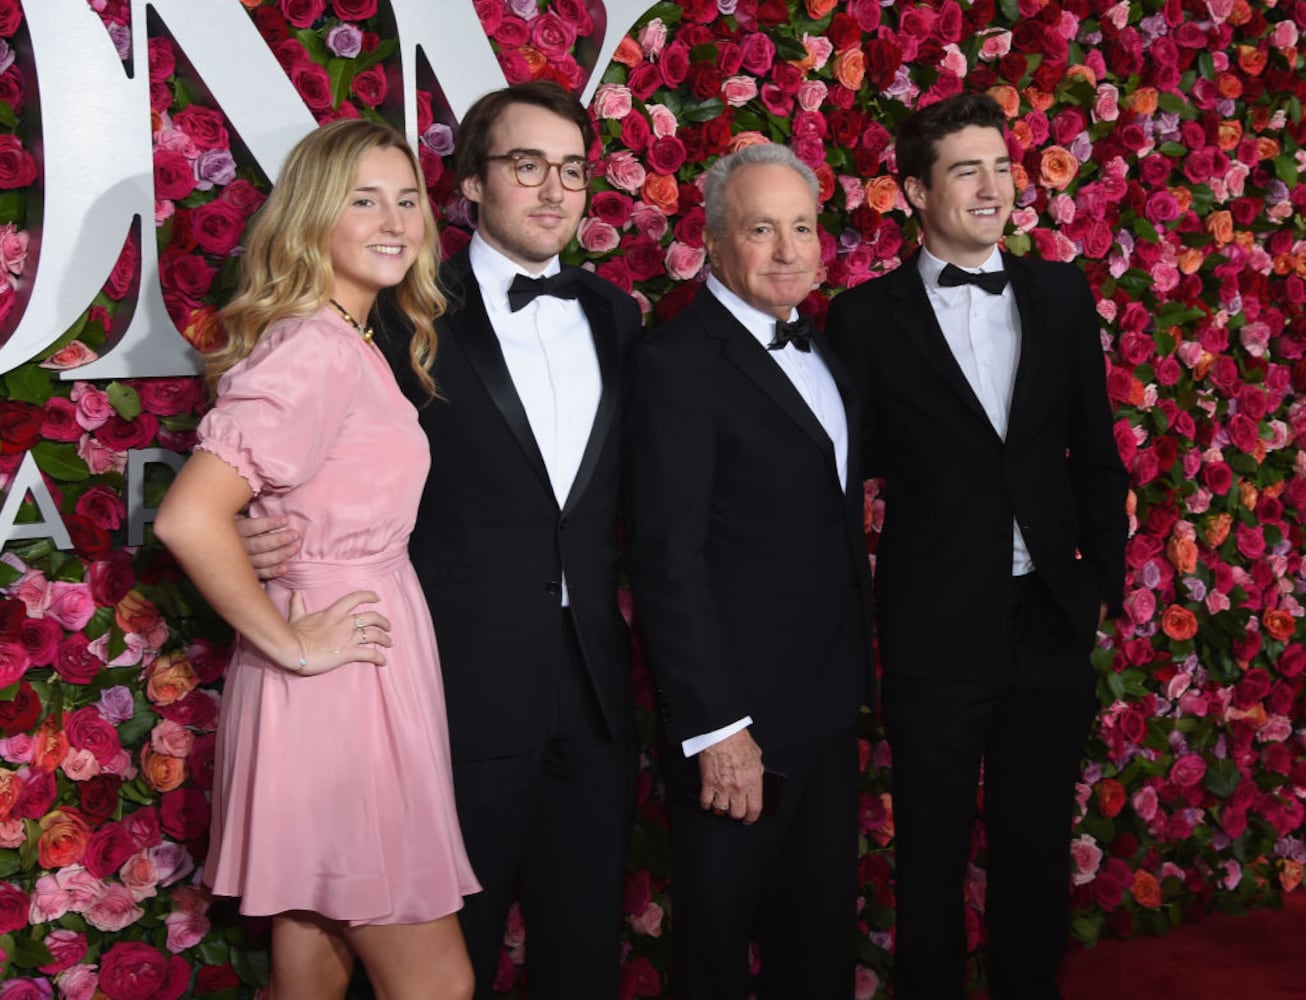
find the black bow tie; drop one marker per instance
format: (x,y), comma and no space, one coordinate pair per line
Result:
(524,290)
(991,281)
(798,333)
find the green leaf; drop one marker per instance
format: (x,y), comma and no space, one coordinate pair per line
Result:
(29,384)
(252,966)
(314,43)
(1173,103)
(706,111)
(369,59)
(9,863)
(59,460)
(788,48)
(670,13)
(125,400)
(28,953)
(101,621)
(1010,10)
(341,74)
(134,730)
(1222,777)
(8,574)
(1285,168)
(213,952)
(7,117)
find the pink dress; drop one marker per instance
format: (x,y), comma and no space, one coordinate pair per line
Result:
(333,793)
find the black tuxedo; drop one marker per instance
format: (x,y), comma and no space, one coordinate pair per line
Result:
(524,680)
(751,587)
(978,663)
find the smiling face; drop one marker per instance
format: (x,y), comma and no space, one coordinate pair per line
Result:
(528,225)
(965,208)
(375,240)
(769,253)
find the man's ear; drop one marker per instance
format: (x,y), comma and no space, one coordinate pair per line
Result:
(709,244)
(471,188)
(916,192)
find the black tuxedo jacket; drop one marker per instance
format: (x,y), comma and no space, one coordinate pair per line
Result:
(748,560)
(491,543)
(943,566)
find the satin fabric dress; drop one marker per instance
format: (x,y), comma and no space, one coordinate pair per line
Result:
(333,793)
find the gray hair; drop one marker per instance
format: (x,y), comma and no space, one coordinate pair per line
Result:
(762,154)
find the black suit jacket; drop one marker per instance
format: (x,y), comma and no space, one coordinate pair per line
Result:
(491,543)
(748,561)
(943,567)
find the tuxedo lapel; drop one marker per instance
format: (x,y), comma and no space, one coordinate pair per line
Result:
(741,349)
(602,323)
(470,326)
(1033,309)
(914,317)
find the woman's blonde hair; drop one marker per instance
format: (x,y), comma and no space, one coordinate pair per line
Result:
(286,270)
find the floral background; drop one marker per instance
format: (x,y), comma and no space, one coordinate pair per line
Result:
(1158,144)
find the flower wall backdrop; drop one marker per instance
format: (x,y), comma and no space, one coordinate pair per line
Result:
(1158,144)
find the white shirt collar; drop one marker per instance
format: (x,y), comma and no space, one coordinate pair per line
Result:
(760,324)
(930,266)
(494,272)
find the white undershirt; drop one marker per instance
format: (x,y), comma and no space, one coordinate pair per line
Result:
(983,332)
(549,351)
(811,377)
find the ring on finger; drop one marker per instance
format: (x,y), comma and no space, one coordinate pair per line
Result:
(358,621)
(362,636)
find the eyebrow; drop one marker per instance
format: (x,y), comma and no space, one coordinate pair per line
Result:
(977,163)
(375,188)
(569,158)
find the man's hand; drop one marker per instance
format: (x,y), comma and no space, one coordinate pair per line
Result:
(731,773)
(269,543)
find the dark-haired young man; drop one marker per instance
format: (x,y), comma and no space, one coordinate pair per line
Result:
(516,548)
(986,412)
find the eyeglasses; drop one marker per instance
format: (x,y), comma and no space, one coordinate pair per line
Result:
(530,170)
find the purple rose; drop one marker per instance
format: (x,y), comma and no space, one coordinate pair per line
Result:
(345,41)
(438,139)
(214,166)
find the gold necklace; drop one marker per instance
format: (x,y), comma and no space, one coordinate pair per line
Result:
(363,331)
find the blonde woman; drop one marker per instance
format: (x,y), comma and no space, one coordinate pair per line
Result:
(333,808)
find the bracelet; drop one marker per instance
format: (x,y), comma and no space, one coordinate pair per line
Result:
(303,657)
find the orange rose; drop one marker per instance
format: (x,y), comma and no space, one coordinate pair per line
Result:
(882,193)
(1020,176)
(171,678)
(1022,132)
(628,53)
(1080,70)
(817,9)
(1008,99)
(161,772)
(10,787)
(1267,148)
(1290,873)
(1146,889)
(1183,197)
(1229,85)
(1279,623)
(662,192)
(63,838)
(1228,134)
(1182,553)
(1143,101)
(1179,623)
(1057,168)
(51,745)
(850,68)
(745,139)
(536,61)
(136,613)
(1041,100)
(1220,226)
(1251,60)
(1190,261)
(203,330)
(1248,494)
(1241,13)
(1215,529)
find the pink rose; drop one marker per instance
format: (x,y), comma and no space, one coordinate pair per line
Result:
(83,888)
(648,221)
(622,170)
(140,876)
(683,262)
(1087,857)
(116,910)
(653,37)
(1188,771)
(552,36)
(80,982)
(612,101)
(171,862)
(1140,605)
(662,119)
(80,765)
(93,406)
(648,922)
(13,248)
(1145,803)
(739,90)
(597,236)
(71,605)
(66,949)
(185,930)
(49,900)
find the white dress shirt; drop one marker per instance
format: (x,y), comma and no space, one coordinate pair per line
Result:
(983,332)
(811,377)
(549,351)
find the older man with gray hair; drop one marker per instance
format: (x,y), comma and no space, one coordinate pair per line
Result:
(752,593)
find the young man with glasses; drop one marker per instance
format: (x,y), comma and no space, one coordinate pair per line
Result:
(516,547)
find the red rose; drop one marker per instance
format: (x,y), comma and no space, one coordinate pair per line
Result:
(215,979)
(184,813)
(37,796)
(40,638)
(120,435)
(188,274)
(635,132)
(644,79)
(1218,477)
(1110,797)
(107,849)
(174,178)
(666,155)
(99,798)
(611,207)
(60,423)
(206,128)
(122,278)
(20,426)
(89,539)
(197,710)
(111,578)
(102,507)
(1254,686)
(86,729)
(132,970)
(302,13)
(883,58)
(355,10)
(313,84)
(643,257)
(17,168)
(674,64)
(1188,770)
(13,908)
(217,226)
(370,86)
(143,825)
(19,713)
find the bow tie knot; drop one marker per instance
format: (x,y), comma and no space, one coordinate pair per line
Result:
(524,290)
(798,333)
(992,282)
